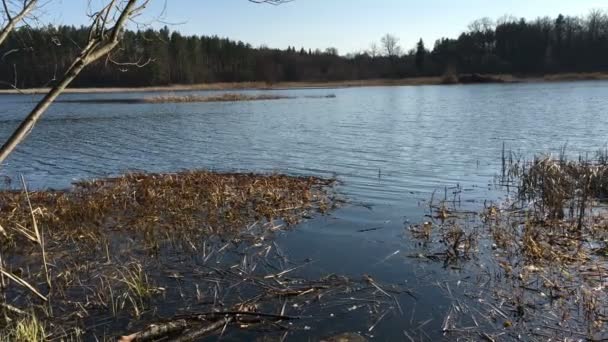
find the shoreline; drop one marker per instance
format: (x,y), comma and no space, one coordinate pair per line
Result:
(412,81)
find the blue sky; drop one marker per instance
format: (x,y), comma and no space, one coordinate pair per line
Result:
(349,25)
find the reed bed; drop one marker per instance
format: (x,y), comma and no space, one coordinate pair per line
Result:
(200,201)
(538,260)
(169,257)
(228,97)
(559,188)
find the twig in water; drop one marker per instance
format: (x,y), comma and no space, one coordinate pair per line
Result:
(207,329)
(378,321)
(22,283)
(408,336)
(368,229)
(156,331)
(387,257)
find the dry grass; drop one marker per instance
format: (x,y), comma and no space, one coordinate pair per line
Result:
(246,86)
(541,262)
(116,250)
(228,97)
(582,76)
(561,188)
(564,77)
(213,98)
(191,201)
(28,329)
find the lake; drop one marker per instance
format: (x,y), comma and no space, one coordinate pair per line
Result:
(391,148)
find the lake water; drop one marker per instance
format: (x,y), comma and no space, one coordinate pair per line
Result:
(390,146)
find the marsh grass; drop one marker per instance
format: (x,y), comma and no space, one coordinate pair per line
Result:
(448,233)
(547,241)
(28,329)
(228,97)
(560,188)
(139,289)
(195,247)
(154,204)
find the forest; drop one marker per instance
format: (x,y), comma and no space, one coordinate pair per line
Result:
(36,56)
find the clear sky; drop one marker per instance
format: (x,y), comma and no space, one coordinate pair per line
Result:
(349,25)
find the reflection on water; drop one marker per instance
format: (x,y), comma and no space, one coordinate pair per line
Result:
(391,146)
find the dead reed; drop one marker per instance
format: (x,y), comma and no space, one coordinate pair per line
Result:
(541,268)
(116,250)
(561,188)
(228,97)
(169,257)
(192,201)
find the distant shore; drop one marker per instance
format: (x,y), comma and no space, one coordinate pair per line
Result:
(412,81)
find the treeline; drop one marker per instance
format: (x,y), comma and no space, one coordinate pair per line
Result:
(35,57)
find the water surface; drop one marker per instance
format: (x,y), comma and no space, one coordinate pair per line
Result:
(391,146)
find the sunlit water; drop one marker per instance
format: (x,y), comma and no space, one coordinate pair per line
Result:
(390,146)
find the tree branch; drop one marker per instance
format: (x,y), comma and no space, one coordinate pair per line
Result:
(99,45)
(13,21)
(103,38)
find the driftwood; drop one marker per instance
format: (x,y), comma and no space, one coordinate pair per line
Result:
(205,330)
(190,328)
(156,331)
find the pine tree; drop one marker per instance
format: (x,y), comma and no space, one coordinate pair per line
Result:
(420,55)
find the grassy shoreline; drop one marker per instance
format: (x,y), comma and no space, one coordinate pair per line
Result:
(224,97)
(412,81)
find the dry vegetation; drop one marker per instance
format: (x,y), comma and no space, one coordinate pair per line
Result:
(227,97)
(544,270)
(191,252)
(214,98)
(206,202)
(582,76)
(246,86)
(551,245)
(412,81)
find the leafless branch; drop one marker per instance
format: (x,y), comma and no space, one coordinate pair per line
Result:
(105,33)
(9,52)
(138,64)
(12,21)
(106,30)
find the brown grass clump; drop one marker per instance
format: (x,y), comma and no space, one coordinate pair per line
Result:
(119,247)
(229,97)
(543,271)
(550,242)
(583,76)
(559,188)
(448,227)
(195,201)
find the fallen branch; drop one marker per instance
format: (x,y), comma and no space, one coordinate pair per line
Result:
(156,331)
(207,329)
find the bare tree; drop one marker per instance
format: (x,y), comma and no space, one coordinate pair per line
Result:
(596,23)
(22,8)
(106,30)
(331,51)
(390,44)
(506,19)
(482,25)
(105,33)
(373,51)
